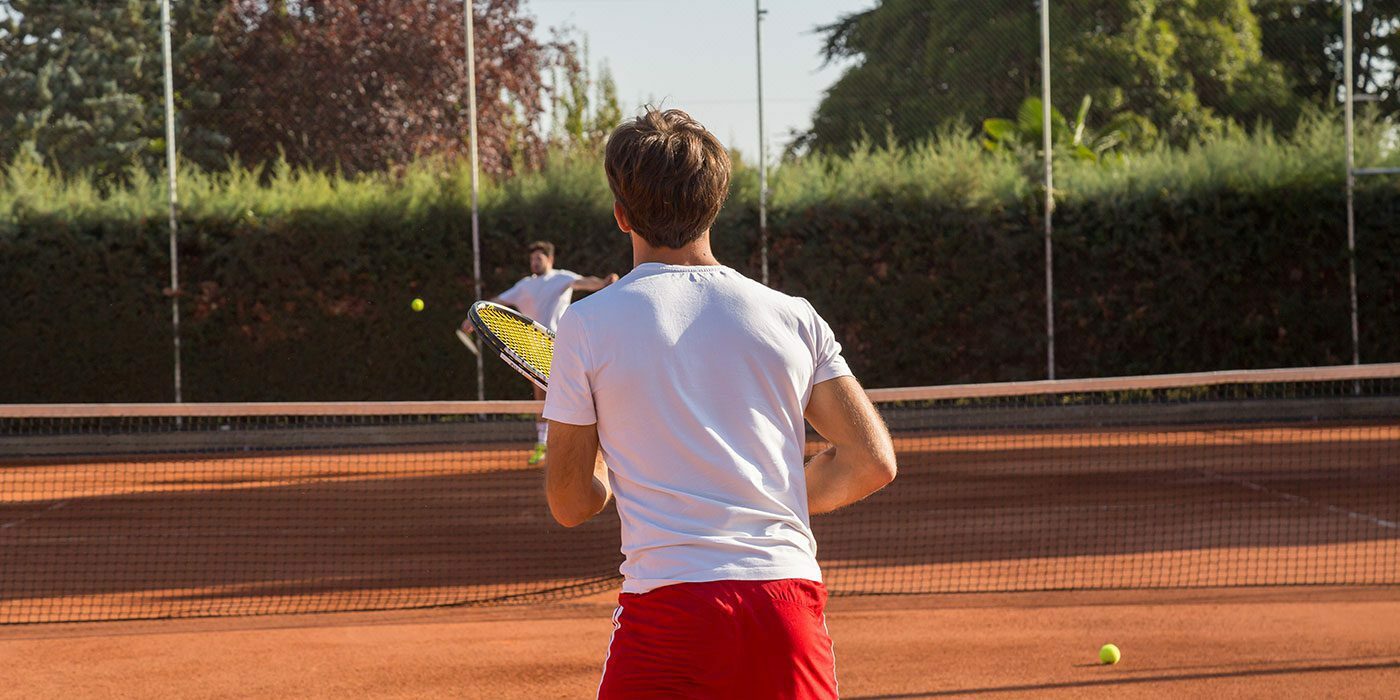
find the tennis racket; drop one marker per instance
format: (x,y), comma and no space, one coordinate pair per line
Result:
(523,344)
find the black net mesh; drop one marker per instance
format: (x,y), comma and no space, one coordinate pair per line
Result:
(1027,488)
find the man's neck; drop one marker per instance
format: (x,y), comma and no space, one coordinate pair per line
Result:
(696,252)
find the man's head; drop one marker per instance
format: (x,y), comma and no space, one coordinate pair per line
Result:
(541,257)
(669,176)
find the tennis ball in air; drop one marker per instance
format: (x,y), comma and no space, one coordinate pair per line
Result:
(1109,654)
(417,304)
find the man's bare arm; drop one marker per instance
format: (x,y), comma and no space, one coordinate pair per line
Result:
(861,458)
(592,284)
(575,478)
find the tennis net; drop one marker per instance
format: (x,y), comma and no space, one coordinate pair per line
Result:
(1278,477)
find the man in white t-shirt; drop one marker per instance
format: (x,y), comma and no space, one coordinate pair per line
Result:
(693,384)
(543,296)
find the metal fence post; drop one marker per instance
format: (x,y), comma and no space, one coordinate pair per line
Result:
(173,197)
(476,221)
(1049,188)
(758,13)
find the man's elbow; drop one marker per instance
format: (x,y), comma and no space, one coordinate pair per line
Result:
(570,521)
(882,467)
(568,517)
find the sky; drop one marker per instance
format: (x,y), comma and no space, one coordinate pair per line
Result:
(699,55)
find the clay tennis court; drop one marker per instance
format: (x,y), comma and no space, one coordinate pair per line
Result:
(1256,558)
(1256,642)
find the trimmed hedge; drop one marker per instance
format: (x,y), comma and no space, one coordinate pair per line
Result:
(927,261)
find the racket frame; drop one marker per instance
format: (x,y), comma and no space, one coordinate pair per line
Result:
(507,355)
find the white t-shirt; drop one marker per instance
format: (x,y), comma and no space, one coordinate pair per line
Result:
(698,378)
(543,297)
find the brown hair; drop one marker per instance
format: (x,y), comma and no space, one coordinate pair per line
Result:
(543,246)
(669,174)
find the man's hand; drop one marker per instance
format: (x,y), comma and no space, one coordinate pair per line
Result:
(575,478)
(861,458)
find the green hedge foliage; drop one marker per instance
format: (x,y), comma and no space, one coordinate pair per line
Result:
(928,261)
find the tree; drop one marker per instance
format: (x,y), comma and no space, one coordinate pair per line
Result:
(82,85)
(1188,67)
(585,110)
(608,114)
(1025,134)
(363,85)
(1305,38)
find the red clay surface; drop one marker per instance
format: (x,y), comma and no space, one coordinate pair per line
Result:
(186,536)
(1267,643)
(245,533)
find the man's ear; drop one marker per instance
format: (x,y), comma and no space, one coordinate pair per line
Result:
(621,215)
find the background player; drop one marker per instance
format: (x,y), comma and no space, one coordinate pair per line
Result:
(694,381)
(543,296)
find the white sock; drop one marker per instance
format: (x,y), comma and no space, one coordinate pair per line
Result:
(542,432)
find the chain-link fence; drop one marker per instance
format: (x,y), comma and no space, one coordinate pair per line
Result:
(1201,208)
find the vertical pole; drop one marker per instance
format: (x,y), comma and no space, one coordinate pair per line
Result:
(1351,180)
(1049,188)
(758,13)
(174,199)
(476,221)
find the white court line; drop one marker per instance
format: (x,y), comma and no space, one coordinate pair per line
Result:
(1294,498)
(1379,522)
(40,514)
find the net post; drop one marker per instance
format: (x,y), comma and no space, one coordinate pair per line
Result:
(468,11)
(758,12)
(172,194)
(1049,188)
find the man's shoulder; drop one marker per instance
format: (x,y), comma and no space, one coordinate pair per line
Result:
(589,306)
(613,299)
(762,294)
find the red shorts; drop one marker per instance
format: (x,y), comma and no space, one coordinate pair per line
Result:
(721,639)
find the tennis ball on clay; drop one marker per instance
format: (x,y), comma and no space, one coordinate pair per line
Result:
(417,304)
(1109,654)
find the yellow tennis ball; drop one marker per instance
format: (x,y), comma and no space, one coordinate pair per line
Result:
(1109,654)
(417,304)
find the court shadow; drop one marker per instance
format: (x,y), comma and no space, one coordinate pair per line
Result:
(1106,509)
(289,533)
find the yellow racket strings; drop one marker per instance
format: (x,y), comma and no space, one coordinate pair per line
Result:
(528,342)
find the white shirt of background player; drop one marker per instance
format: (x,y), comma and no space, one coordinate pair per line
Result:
(543,296)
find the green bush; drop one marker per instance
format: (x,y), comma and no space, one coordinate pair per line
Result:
(927,261)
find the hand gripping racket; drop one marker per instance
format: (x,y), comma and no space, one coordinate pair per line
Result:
(523,344)
(467,341)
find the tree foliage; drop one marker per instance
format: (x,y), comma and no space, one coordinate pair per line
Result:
(361,85)
(586,110)
(330,84)
(82,84)
(1024,135)
(1187,68)
(1306,39)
